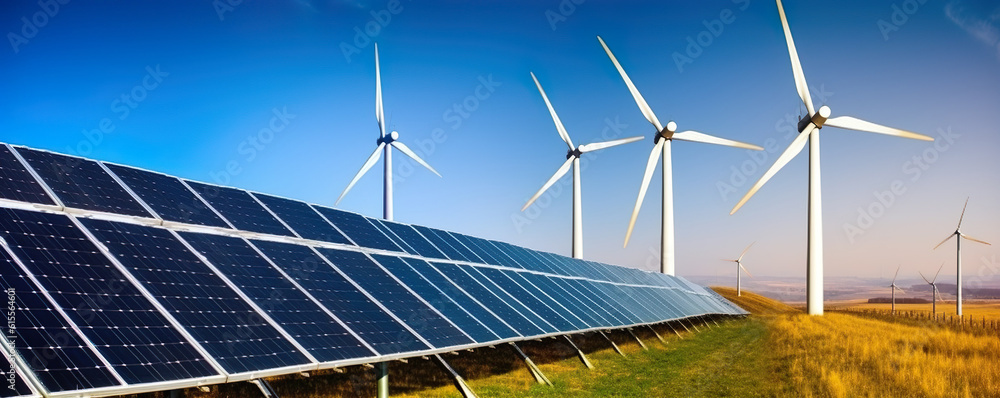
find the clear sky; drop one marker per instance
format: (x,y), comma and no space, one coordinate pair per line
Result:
(278,97)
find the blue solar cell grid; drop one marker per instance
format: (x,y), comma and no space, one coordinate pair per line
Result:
(420,245)
(17,183)
(167,196)
(359,229)
(242,211)
(302,219)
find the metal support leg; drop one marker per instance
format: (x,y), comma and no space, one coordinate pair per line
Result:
(382,379)
(675,331)
(459,382)
(583,358)
(264,386)
(695,326)
(613,345)
(657,334)
(641,344)
(175,393)
(535,372)
(715,322)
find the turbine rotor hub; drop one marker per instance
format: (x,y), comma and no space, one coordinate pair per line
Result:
(389,138)
(575,152)
(667,132)
(819,118)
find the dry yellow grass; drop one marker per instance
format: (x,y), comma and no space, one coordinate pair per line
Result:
(840,355)
(975,311)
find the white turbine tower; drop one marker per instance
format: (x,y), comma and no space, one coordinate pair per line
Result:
(385,144)
(740,269)
(958,261)
(662,140)
(572,159)
(894,289)
(809,128)
(934,290)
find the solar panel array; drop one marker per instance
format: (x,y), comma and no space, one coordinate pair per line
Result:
(123,280)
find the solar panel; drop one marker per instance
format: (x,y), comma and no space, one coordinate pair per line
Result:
(361,314)
(317,330)
(17,183)
(359,229)
(167,196)
(240,209)
(19,387)
(232,332)
(82,183)
(305,221)
(129,332)
(114,305)
(44,339)
(484,315)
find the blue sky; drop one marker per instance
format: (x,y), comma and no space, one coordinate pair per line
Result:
(278,97)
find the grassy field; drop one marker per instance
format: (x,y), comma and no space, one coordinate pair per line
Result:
(975,310)
(777,352)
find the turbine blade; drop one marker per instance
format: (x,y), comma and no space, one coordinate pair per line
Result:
(646,176)
(945,240)
(894,276)
(643,106)
(379,113)
(364,169)
(745,270)
(938,272)
(694,136)
(925,278)
(800,78)
(406,150)
(555,118)
(555,177)
(852,123)
(607,144)
(960,218)
(793,149)
(900,290)
(744,252)
(975,240)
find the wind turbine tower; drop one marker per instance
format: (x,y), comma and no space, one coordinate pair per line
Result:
(958,257)
(740,269)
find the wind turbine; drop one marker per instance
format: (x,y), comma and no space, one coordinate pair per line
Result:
(894,288)
(809,128)
(934,291)
(662,140)
(572,159)
(740,269)
(385,144)
(958,262)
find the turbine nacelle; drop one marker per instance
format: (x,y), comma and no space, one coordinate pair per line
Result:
(388,139)
(818,119)
(666,133)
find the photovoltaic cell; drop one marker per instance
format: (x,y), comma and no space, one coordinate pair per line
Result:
(420,245)
(491,300)
(445,246)
(16,183)
(303,219)
(418,316)
(529,300)
(47,343)
(82,183)
(222,322)
(359,229)
(325,338)
(135,338)
(463,320)
(423,269)
(384,229)
(167,196)
(338,295)
(240,209)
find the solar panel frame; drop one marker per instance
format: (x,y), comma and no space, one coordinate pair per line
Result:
(240,209)
(420,244)
(18,182)
(489,299)
(301,218)
(167,196)
(361,232)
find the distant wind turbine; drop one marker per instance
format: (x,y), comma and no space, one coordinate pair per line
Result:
(572,159)
(740,269)
(894,289)
(809,128)
(958,261)
(934,289)
(662,140)
(385,144)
